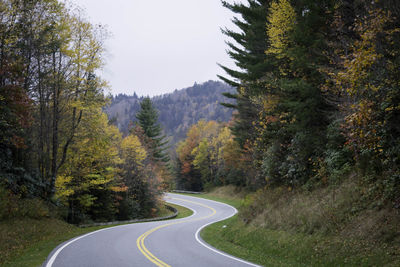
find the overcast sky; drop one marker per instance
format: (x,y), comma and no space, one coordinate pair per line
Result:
(157,45)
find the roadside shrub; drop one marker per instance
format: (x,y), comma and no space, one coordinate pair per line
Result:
(272,163)
(235,177)
(32,208)
(322,210)
(3,203)
(13,206)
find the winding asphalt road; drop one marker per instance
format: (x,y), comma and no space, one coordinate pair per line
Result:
(164,243)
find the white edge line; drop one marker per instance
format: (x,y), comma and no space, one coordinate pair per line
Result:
(197,235)
(198,238)
(194,213)
(171,201)
(54,256)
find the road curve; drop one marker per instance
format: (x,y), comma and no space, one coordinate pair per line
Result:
(164,243)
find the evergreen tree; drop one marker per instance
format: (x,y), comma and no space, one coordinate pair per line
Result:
(249,55)
(295,123)
(148,120)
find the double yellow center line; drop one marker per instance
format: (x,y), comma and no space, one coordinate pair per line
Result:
(147,253)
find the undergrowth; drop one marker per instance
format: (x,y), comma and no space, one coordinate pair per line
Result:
(339,210)
(328,226)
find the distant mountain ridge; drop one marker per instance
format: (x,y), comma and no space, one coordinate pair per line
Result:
(177,110)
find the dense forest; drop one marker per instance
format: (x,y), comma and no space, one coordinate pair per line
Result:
(308,125)
(177,110)
(58,149)
(316,130)
(317,98)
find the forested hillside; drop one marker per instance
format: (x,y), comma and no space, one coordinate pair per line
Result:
(308,131)
(315,136)
(57,147)
(178,110)
(317,97)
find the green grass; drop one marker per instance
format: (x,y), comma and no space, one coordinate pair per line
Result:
(230,201)
(163,211)
(271,247)
(182,211)
(223,194)
(280,248)
(28,242)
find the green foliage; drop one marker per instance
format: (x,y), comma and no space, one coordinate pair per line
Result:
(281,20)
(148,120)
(248,52)
(209,157)
(277,227)
(89,177)
(368,76)
(338,158)
(13,206)
(28,242)
(139,198)
(318,115)
(282,248)
(55,142)
(48,56)
(133,151)
(319,104)
(177,110)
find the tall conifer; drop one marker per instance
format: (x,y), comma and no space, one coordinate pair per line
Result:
(148,120)
(248,51)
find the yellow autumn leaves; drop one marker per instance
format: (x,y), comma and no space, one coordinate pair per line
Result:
(281,19)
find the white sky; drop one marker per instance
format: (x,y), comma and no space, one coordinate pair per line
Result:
(158,46)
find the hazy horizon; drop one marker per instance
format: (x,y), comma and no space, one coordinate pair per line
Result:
(156,48)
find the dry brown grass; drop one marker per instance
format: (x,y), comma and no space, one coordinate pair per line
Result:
(331,210)
(229,192)
(326,227)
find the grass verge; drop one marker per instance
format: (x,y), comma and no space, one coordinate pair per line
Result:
(28,242)
(222,194)
(274,247)
(182,211)
(281,248)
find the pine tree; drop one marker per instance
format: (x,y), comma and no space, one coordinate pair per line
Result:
(148,120)
(249,55)
(296,139)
